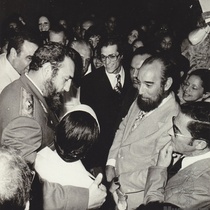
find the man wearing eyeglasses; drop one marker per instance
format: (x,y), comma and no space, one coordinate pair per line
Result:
(104,90)
(144,130)
(188,188)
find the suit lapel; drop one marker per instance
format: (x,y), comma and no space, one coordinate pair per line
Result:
(192,171)
(149,124)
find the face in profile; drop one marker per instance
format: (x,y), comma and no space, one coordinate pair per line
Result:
(59,82)
(136,63)
(182,141)
(23,59)
(137,44)
(193,89)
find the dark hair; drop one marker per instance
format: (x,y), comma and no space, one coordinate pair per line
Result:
(16,179)
(57,28)
(204,75)
(199,127)
(16,41)
(75,134)
(112,41)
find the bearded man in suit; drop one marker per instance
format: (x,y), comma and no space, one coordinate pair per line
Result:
(144,130)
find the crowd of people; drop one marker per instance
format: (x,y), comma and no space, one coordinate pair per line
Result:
(96,117)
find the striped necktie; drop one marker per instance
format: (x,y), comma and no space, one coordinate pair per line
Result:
(118,87)
(141,114)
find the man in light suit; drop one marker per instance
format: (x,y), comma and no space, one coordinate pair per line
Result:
(138,141)
(189,188)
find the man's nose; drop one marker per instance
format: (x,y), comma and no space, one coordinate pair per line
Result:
(141,89)
(67,85)
(135,73)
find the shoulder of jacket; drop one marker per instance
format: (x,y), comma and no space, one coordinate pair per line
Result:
(27,104)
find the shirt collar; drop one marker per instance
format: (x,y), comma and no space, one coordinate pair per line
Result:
(34,83)
(112,77)
(192,159)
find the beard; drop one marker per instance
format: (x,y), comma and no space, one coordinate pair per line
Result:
(53,99)
(150,104)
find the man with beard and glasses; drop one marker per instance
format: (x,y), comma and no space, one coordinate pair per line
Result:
(28,122)
(144,130)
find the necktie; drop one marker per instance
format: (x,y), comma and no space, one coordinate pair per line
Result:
(175,168)
(118,86)
(141,114)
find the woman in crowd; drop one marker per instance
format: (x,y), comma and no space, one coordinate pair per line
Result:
(196,87)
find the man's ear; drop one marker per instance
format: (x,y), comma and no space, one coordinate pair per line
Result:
(47,70)
(168,83)
(13,53)
(199,144)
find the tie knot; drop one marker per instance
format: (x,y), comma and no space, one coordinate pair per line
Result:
(118,76)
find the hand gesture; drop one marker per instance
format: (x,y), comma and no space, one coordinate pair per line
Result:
(97,193)
(165,155)
(110,173)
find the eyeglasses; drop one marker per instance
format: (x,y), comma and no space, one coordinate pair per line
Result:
(175,129)
(111,57)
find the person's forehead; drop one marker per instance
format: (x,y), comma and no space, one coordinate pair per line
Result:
(83,50)
(43,19)
(134,31)
(110,49)
(194,79)
(87,24)
(57,37)
(138,60)
(152,70)
(67,66)
(181,121)
(28,48)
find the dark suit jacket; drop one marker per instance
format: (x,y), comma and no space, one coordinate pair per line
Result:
(97,92)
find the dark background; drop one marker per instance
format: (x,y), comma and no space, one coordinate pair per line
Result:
(182,13)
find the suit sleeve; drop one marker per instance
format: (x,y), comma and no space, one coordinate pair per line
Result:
(155,184)
(117,139)
(58,197)
(24,134)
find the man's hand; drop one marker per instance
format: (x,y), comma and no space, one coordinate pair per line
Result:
(97,193)
(165,155)
(110,173)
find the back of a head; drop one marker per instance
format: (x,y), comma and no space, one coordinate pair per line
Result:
(199,127)
(76,133)
(80,44)
(15,178)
